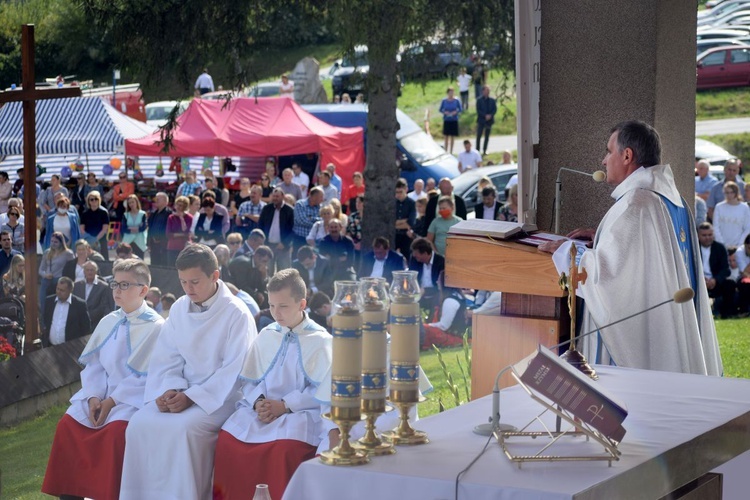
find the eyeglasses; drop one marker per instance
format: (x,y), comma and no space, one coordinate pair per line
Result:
(235,242)
(123,285)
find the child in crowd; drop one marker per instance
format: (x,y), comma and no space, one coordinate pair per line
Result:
(278,423)
(192,386)
(167,300)
(320,308)
(87,453)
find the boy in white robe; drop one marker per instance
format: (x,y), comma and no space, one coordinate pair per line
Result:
(87,453)
(192,386)
(277,424)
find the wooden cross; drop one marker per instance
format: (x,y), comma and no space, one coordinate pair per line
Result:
(28,95)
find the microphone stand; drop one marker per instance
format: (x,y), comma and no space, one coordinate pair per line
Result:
(558,193)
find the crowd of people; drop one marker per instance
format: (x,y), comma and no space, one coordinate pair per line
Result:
(722,218)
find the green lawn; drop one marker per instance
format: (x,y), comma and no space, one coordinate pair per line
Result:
(24,449)
(716,104)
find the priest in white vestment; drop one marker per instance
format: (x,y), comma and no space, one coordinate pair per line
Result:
(644,250)
(191,388)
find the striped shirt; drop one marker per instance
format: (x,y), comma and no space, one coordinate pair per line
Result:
(304,217)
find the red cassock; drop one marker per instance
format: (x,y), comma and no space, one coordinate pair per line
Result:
(86,462)
(438,337)
(239,466)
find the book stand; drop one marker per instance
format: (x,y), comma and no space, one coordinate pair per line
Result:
(577,428)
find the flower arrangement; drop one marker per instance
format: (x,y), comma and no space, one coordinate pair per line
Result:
(7,351)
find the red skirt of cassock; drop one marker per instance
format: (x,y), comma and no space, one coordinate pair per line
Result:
(434,335)
(239,466)
(86,462)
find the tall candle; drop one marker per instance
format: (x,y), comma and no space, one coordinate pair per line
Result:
(404,328)
(374,350)
(346,369)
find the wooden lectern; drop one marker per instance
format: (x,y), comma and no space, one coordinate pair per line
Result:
(533,308)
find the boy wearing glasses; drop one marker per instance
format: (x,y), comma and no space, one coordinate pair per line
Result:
(87,452)
(192,386)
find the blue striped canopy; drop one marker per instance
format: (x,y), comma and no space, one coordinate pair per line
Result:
(73,126)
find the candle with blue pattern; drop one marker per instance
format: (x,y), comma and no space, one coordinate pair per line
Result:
(346,369)
(404,329)
(374,339)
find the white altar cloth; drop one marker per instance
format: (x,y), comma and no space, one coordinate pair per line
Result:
(679,427)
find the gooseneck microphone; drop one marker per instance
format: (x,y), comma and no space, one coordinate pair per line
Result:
(598,176)
(680,296)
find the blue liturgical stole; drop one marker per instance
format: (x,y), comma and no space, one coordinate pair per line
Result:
(681,224)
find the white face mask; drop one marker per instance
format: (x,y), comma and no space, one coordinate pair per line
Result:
(62,211)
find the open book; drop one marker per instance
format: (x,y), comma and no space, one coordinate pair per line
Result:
(490,228)
(564,385)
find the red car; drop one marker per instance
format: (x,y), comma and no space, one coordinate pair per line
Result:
(724,67)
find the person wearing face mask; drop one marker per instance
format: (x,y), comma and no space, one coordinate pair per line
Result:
(437,233)
(63,222)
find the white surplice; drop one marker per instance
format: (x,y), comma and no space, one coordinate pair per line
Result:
(636,263)
(288,365)
(116,359)
(170,455)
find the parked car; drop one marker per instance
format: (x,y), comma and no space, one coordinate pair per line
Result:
(715,33)
(268,89)
(349,74)
(418,155)
(466,184)
(436,59)
(715,154)
(725,18)
(720,6)
(711,16)
(724,67)
(705,45)
(157,112)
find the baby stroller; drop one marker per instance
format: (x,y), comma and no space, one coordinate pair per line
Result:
(13,322)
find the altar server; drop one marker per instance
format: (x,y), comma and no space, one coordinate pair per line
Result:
(87,452)
(277,424)
(192,386)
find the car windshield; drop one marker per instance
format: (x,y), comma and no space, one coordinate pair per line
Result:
(158,113)
(359,60)
(421,147)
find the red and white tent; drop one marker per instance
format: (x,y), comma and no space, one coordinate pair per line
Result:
(252,127)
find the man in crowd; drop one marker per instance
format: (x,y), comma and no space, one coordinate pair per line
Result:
(489,207)
(381,261)
(189,186)
(716,195)
(120,193)
(329,190)
(95,293)
(406,217)
(704,181)
(255,239)
(335,179)
(288,186)
(157,230)
(337,247)
(315,271)
(645,245)
(446,189)
(249,212)
(65,315)
(305,215)
(6,251)
(419,191)
(429,266)
(715,265)
(204,84)
(277,223)
(469,158)
(301,179)
(486,110)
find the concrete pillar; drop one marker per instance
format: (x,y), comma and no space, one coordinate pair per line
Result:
(602,62)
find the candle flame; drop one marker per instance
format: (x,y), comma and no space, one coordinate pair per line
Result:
(371,293)
(406,285)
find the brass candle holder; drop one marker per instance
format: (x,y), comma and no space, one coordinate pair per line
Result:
(374,364)
(346,373)
(404,369)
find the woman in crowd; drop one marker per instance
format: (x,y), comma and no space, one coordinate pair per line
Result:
(265,185)
(450,108)
(178,228)
(731,217)
(437,233)
(95,224)
(320,228)
(51,266)
(241,197)
(16,229)
(134,225)
(14,281)
(509,211)
(47,199)
(73,269)
(208,229)
(194,209)
(419,230)
(354,226)
(63,221)
(337,213)
(357,188)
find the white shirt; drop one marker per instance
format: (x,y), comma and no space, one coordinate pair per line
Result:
(469,159)
(489,212)
(414,196)
(88,287)
(205,81)
(377,269)
(463,82)
(59,318)
(303,181)
(274,232)
(61,224)
(287,89)
(447,314)
(427,273)
(705,256)
(79,273)
(743,259)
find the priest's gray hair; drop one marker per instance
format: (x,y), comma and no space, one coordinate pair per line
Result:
(642,139)
(135,266)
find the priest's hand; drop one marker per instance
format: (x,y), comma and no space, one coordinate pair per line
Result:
(551,246)
(104,408)
(161,401)
(179,402)
(95,406)
(582,234)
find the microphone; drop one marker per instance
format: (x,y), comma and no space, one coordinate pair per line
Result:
(598,176)
(680,296)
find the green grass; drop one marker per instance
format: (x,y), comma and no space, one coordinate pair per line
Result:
(717,104)
(24,449)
